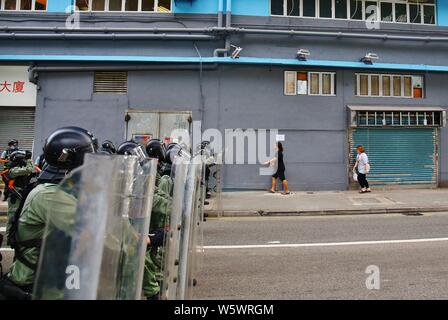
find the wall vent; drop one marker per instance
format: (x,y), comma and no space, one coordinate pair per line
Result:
(110,82)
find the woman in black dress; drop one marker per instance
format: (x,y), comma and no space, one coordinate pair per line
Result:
(280,173)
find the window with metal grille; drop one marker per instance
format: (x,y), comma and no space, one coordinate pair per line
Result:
(124,5)
(110,82)
(399,118)
(394,11)
(23,5)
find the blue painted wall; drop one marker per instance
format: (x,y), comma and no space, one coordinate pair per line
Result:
(239,7)
(251,7)
(442,13)
(58,5)
(195,6)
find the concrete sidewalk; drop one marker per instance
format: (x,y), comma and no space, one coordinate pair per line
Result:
(251,203)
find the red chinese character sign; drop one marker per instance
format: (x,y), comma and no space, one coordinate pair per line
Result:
(5,87)
(15,90)
(19,87)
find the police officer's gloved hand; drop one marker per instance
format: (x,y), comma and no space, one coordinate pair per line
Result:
(156,237)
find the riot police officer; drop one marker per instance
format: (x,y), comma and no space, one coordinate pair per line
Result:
(13,145)
(18,176)
(153,274)
(160,209)
(173,150)
(63,151)
(156,149)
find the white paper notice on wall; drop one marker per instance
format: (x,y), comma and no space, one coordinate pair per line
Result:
(15,89)
(302,87)
(280,137)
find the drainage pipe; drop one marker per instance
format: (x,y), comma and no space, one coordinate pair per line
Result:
(108,36)
(225,51)
(34,70)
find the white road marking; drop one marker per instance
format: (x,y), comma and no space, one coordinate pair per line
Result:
(2,229)
(274,242)
(328,244)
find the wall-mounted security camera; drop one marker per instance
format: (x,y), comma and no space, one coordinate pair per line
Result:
(369,58)
(236,52)
(302,54)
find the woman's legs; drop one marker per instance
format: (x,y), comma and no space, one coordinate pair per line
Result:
(363,181)
(284,182)
(285,186)
(366,183)
(273,184)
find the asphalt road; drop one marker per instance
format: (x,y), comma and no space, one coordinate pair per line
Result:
(322,257)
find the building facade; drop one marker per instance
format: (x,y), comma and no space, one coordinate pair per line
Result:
(328,74)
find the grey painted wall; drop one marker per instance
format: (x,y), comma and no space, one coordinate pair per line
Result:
(322,48)
(235,96)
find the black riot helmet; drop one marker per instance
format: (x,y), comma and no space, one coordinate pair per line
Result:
(132,148)
(94,139)
(156,149)
(127,147)
(173,151)
(65,147)
(200,148)
(13,143)
(107,147)
(171,145)
(204,144)
(18,158)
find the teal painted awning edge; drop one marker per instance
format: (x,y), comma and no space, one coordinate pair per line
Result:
(227,60)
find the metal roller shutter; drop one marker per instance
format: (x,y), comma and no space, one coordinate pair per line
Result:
(17,123)
(398,156)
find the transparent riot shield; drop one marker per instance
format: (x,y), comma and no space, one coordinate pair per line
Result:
(170,285)
(217,189)
(187,245)
(195,246)
(184,239)
(139,217)
(126,243)
(96,230)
